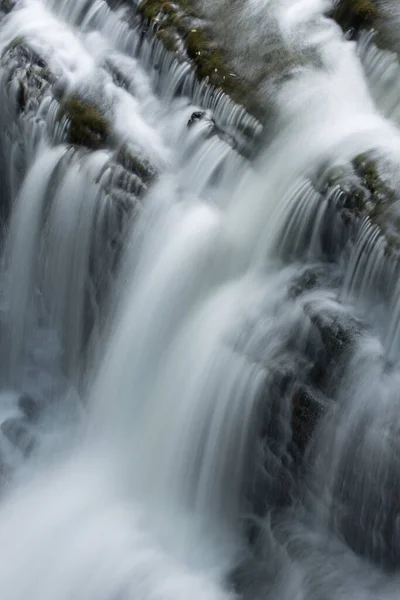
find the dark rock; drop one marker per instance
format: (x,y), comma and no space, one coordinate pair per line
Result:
(337,334)
(353,15)
(21,96)
(196,116)
(139,166)
(306,282)
(118,76)
(29,407)
(18,435)
(6,6)
(307,409)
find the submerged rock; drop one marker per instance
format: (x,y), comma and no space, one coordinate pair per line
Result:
(19,435)
(29,407)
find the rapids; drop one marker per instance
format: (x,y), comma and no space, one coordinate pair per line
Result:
(157,339)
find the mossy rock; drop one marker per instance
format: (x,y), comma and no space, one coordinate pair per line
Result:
(169,39)
(87,125)
(153,9)
(178,25)
(356,14)
(367,169)
(368,187)
(376,199)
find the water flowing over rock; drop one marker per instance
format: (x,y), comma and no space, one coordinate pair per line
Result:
(199,300)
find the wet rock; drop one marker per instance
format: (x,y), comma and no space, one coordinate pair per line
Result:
(307,409)
(356,14)
(28,73)
(29,407)
(18,434)
(330,342)
(337,334)
(6,6)
(196,116)
(366,188)
(139,166)
(87,125)
(178,26)
(21,96)
(306,282)
(119,77)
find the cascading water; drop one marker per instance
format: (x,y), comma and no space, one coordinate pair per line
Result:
(199,369)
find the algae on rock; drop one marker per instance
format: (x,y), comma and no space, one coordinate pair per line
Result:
(87,125)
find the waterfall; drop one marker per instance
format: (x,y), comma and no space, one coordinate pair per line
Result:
(199,312)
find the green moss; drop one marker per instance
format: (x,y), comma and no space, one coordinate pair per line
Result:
(178,20)
(381,195)
(368,170)
(356,14)
(167,37)
(152,9)
(88,126)
(377,201)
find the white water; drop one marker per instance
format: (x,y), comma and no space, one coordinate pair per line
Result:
(165,428)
